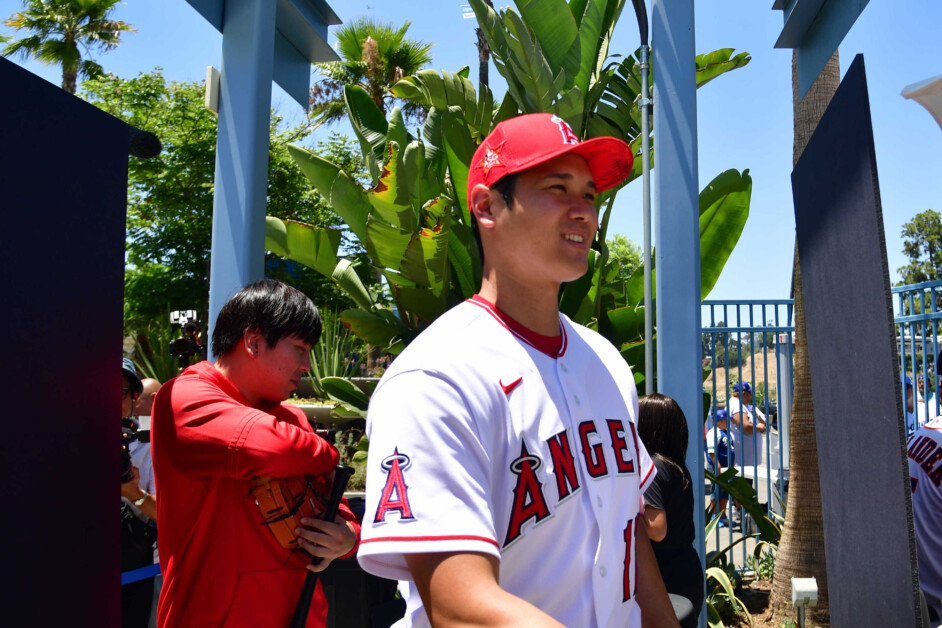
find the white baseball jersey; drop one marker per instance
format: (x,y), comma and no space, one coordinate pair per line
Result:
(482,442)
(748,446)
(925,470)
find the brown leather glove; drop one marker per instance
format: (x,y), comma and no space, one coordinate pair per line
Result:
(285,501)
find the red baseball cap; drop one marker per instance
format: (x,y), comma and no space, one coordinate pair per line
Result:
(529,140)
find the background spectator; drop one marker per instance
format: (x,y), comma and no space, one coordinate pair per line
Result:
(668,511)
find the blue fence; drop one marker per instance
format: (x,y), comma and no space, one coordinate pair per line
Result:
(917,310)
(752,341)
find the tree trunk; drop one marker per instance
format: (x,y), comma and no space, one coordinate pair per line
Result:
(69,79)
(484,53)
(801,550)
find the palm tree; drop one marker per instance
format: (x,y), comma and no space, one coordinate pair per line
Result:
(59,27)
(801,549)
(375,56)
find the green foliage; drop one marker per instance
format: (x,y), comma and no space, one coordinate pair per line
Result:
(625,254)
(405,222)
(415,222)
(352,445)
(338,353)
(762,562)
(152,354)
(170,198)
(722,578)
(60,29)
(722,604)
(374,55)
(745,494)
(922,245)
(352,402)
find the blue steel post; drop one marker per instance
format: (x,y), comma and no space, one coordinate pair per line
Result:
(677,229)
(241,150)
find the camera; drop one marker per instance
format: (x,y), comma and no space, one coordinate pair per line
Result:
(188,345)
(129,434)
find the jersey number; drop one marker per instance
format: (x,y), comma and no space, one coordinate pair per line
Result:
(628,590)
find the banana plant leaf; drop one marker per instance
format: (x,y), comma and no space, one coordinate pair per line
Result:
(425,259)
(386,244)
(347,199)
(459,147)
(345,276)
(712,64)
(420,302)
(352,402)
(315,247)
(555,28)
(464,260)
(379,327)
(443,90)
(391,201)
(622,325)
(369,125)
(724,208)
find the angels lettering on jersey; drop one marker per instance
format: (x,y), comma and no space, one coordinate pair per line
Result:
(601,449)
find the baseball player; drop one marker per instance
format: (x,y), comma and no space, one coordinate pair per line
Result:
(925,470)
(750,420)
(505,474)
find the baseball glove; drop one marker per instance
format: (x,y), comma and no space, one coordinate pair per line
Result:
(285,501)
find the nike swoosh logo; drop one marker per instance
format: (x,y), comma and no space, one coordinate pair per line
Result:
(508,388)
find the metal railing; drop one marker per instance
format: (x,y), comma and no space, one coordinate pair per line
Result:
(751,342)
(917,311)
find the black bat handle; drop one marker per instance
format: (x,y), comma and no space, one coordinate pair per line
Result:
(342,474)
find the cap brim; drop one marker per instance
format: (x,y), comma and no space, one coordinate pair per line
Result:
(609,158)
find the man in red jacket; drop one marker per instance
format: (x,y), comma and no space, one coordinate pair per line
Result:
(214,428)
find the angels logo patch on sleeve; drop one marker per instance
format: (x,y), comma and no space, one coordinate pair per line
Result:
(395,496)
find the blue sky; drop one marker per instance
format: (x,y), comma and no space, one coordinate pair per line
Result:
(744,118)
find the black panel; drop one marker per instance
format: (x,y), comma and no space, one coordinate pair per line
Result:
(63,165)
(865,490)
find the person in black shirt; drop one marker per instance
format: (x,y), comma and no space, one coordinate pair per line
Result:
(668,512)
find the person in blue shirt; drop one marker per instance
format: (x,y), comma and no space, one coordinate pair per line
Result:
(720,445)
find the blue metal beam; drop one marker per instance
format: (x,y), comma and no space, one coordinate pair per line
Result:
(300,40)
(815,28)
(238,249)
(677,228)
(262,40)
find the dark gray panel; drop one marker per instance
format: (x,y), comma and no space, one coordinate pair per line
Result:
(63,167)
(854,368)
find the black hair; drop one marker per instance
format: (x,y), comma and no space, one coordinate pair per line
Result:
(505,186)
(275,309)
(662,427)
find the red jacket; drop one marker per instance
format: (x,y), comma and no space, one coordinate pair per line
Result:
(221,566)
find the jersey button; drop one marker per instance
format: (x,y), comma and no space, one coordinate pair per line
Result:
(563,367)
(602,571)
(599,500)
(578,402)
